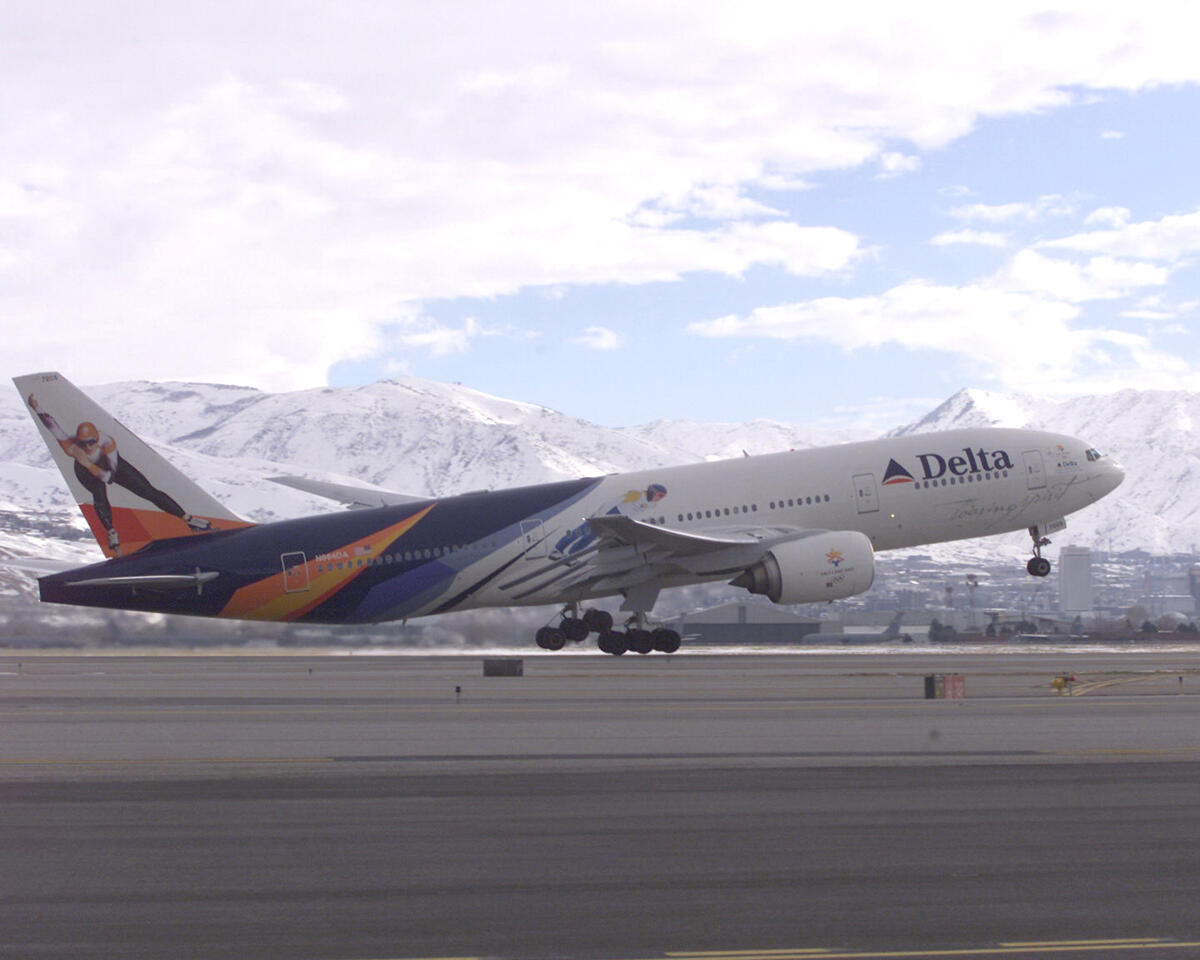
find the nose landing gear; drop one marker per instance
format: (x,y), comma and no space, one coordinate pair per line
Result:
(1038,566)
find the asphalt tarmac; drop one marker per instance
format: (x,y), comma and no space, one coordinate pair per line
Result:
(692,806)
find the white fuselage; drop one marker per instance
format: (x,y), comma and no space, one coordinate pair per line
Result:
(902,492)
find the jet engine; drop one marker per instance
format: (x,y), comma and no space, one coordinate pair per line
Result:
(825,566)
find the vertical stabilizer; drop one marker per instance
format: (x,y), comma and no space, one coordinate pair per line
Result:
(129,495)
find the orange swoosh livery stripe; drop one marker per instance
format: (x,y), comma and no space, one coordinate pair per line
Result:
(268,599)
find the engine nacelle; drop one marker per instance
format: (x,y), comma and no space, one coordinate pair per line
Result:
(825,566)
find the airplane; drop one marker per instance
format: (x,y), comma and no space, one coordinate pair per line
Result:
(796,527)
(890,634)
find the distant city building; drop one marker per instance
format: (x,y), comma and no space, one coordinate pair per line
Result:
(1161,604)
(1075,580)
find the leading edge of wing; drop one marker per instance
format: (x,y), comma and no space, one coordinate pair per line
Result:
(352,496)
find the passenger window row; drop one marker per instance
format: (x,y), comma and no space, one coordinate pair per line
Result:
(969,478)
(401,556)
(752,508)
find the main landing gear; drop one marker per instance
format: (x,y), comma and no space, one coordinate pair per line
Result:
(1038,566)
(636,636)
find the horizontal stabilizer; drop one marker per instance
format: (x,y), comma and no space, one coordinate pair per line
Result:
(170,582)
(357,498)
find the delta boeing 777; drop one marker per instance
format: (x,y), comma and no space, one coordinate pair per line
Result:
(797,527)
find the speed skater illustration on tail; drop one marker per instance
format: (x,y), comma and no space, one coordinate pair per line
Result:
(97,456)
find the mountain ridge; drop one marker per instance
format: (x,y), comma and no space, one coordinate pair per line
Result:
(427,438)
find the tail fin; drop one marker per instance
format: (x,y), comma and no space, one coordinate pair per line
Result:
(129,495)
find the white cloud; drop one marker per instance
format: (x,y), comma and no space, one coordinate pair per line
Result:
(1157,309)
(1170,239)
(981,238)
(441,340)
(1111,216)
(1112,135)
(187,199)
(1052,205)
(1100,278)
(1022,327)
(892,164)
(599,338)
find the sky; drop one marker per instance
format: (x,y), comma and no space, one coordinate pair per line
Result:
(834,215)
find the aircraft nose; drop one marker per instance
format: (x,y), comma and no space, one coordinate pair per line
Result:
(1114,474)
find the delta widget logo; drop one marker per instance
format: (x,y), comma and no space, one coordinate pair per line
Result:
(896,474)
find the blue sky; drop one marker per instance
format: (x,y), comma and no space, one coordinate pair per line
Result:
(625,214)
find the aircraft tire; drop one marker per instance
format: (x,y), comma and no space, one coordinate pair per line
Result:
(641,641)
(612,641)
(666,640)
(548,638)
(574,629)
(1038,567)
(598,621)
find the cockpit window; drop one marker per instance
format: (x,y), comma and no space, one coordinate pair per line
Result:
(1093,455)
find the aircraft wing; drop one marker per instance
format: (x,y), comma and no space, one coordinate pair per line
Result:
(630,554)
(616,529)
(357,498)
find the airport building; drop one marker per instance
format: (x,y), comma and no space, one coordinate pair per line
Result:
(1075,593)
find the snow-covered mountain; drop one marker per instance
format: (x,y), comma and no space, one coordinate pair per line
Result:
(421,437)
(410,435)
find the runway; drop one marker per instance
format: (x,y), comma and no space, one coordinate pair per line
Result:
(766,806)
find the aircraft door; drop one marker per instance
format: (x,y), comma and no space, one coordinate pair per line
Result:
(865,494)
(1035,469)
(295,572)
(533,539)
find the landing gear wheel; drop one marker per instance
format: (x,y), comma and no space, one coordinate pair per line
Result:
(665,640)
(574,629)
(612,641)
(598,621)
(641,641)
(1038,567)
(549,638)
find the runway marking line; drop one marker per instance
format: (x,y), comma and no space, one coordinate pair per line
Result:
(430,711)
(1028,949)
(161,761)
(1147,941)
(1007,948)
(796,952)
